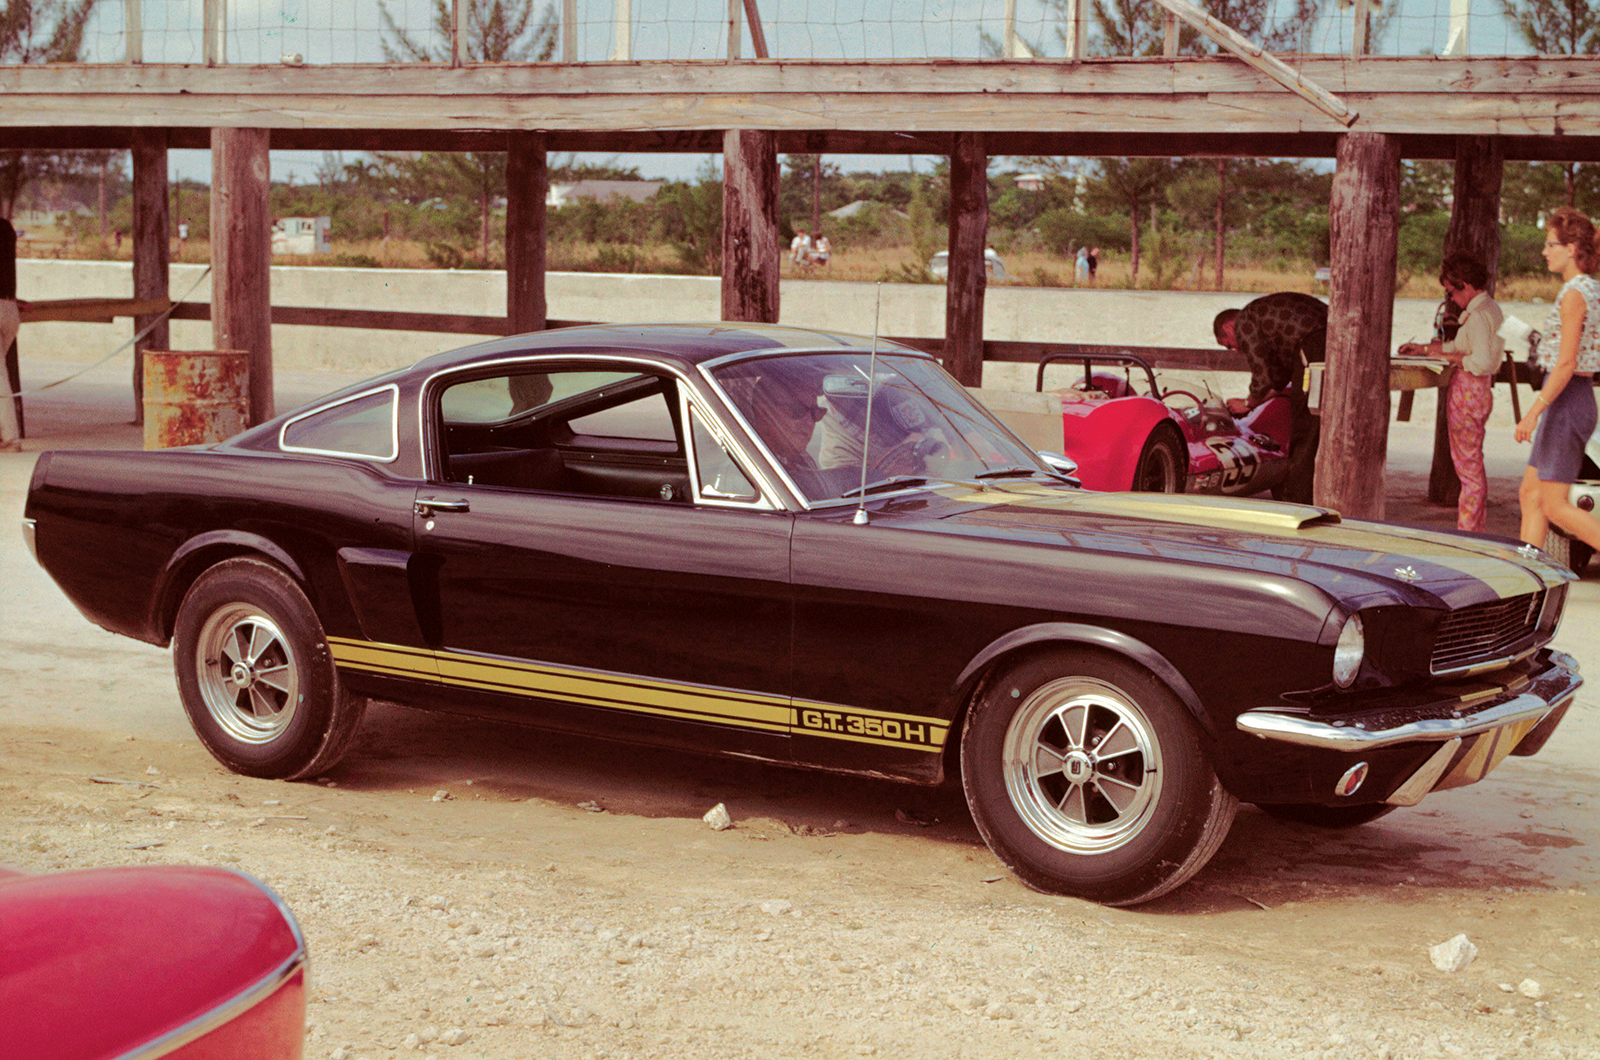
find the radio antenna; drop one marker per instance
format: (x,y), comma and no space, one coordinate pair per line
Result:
(860,518)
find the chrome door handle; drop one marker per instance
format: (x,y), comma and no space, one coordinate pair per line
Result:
(431,505)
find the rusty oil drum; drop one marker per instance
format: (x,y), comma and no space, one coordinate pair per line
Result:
(193,397)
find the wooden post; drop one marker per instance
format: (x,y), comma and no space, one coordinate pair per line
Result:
(569,31)
(966,280)
(1076,31)
(458,38)
(214,31)
(750,225)
(527,185)
(241,257)
(1169,35)
(1364,222)
(735,27)
(132,32)
(1475,229)
(150,248)
(758,35)
(623,49)
(11,375)
(1361,20)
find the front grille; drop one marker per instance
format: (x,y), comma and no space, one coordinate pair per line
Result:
(1484,632)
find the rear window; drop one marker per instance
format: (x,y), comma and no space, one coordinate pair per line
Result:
(362,426)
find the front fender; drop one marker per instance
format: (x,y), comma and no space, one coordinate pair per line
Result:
(1107,437)
(1049,633)
(202,551)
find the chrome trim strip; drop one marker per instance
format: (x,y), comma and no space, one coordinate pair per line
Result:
(688,409)
(1311,732)
(1474,669)
(241,1002)
(1427,775)
(394,427)
(30,530)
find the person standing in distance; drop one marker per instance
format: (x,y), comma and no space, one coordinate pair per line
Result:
(1562,415)
(1279,334)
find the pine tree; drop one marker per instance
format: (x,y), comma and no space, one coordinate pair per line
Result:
(1557,27)
(496,31)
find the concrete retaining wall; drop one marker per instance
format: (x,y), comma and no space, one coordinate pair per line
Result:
(1141,318)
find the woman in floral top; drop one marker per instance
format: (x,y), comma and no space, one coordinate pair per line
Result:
(1563,413)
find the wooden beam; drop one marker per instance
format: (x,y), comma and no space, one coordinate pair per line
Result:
(569,31)
(1169,35)
(758,34)
(151,225)
(967,279)
(735,27)
(1364,221)
(214,31)
(1262,60)
(1076,30)
(241,257)
(527,184)
(750,251)
(1361,19)
(458,39)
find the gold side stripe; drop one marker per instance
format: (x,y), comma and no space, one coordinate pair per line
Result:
(626,681)
(568,686)
(688,708)
(765,713)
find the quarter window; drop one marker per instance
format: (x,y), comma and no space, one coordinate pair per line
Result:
(362,426)
(720,478)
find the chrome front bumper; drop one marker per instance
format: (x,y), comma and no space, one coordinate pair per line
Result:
(1474,732)
(29,530)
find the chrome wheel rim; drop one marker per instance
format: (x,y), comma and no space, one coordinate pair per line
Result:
(1082,766)
(249,678)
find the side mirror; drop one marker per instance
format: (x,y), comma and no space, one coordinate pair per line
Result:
(1062,465)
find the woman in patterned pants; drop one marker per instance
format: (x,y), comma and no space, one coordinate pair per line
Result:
(1477,350)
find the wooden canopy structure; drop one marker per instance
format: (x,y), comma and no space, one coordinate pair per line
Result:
(1365,112)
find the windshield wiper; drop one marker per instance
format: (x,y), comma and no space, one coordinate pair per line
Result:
(1008,472)
(892,482)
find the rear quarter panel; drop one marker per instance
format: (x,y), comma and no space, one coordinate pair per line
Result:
(123,533)
(1106,437)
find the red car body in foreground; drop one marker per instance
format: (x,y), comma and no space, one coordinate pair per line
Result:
(178,962)
(1165,441)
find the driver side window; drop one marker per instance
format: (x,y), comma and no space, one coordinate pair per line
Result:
(597,431)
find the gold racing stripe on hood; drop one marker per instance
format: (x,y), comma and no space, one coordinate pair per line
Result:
(1498,567)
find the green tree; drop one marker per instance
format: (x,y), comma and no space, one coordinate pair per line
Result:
(41,31)
(689,216)
(1133,185)
(496,31)
(1557,27)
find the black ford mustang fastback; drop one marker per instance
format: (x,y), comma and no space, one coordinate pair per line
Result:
(796,546)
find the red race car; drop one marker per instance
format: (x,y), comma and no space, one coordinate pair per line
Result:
(1165,441)
(181,962)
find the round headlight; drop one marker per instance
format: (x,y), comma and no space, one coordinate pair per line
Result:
(1348,652)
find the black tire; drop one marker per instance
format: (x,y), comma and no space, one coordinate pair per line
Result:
(1327,816)
(1161,467)
(255,675)
(1567,550)
(1062,830)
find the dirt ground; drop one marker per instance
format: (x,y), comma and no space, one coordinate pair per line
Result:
(471,889)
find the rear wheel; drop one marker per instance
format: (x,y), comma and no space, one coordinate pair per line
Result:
(255,675)
(1567,550)
(1161,467)
(1327,816)
(1086,776)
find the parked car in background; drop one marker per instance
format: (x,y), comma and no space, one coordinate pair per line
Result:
(993,268)
(181,962)
(814,549)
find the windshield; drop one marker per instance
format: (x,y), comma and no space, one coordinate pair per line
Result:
(810,411)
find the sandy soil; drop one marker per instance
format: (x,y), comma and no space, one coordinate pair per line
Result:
(521,895)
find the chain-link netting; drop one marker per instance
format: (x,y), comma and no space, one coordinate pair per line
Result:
(320,32)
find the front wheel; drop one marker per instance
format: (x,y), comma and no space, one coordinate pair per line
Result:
(1161,467)
(1086,776)
(255,675)
(1567,550)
